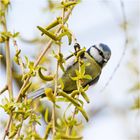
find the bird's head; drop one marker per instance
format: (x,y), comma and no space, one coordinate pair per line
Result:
(101,53)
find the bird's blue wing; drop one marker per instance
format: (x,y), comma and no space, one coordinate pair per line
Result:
(40,92)
(36,94)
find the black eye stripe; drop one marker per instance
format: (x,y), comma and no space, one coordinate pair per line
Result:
(100,52)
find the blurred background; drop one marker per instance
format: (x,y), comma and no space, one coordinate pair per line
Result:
(114,101)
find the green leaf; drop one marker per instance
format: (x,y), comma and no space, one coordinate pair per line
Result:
(83,112)
(135,88)
(66,137)
(49,94)
(2,40)
(46,115)
(26,88)
(80,101)
(68,34)
(77,73)
(85,96)
(48,130)
(72,100)
(31,65)
(17,56)
(9,106)
(60,60)
(61,83)
(68,4)
(57,106)
(14,131)
(62,67)
(27,60)
(1,56)
(54,24)
(87,77)
(74,93)
(136,103)
(15,34)
(62,100)
(81,52)
(49,34)
(86,88)
(74,78)
(44,77)
(6,2)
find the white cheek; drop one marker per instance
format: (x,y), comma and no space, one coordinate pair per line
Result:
(96,55)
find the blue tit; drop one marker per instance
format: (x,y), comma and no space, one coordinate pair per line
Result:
(96,56)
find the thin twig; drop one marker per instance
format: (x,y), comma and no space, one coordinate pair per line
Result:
(9,70)
(4,89)
(8,64)
(18,134)
(7,127)
(78,83)
(56,80)
(8,74)
(20,60)
(125,23)
(55,93)
(73,116)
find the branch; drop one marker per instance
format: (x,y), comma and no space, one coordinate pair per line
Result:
(4,89)
(14,70)
(8,73)
(56,79)
(9,70)
(8,64)
(7,127)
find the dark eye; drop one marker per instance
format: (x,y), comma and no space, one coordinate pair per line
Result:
(100,52)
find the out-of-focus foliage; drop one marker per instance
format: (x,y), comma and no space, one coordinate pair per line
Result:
(134,69)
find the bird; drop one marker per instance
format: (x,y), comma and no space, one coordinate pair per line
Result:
(97,56)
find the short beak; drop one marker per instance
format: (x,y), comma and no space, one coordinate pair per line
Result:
(105,60)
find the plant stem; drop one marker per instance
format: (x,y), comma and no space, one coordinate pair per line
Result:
(4,89)
(73,116)
(18,134)
(7,127)
(8,61)
(20,60)
(8,75)
(9,70)
(56,79)
(78,83)
(55,93)
(53,120)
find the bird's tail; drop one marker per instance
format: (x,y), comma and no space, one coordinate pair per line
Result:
(40,92)
(36,94)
